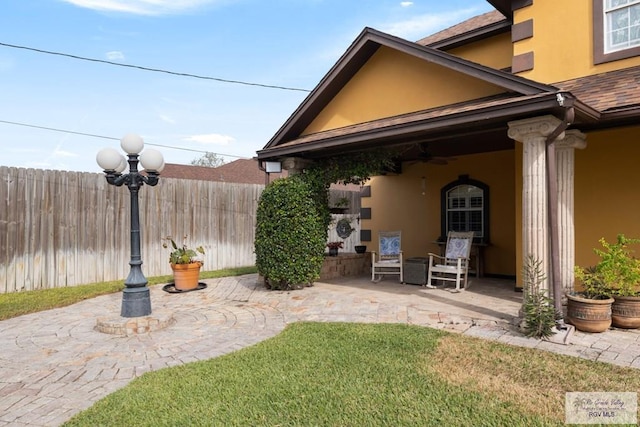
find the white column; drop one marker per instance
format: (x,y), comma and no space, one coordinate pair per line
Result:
(565,162)
(535,231)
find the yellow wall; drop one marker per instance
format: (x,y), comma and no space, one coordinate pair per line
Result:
(517,177)
(393,83)
(495,52)
(562,41)
(397,204)
(607,190)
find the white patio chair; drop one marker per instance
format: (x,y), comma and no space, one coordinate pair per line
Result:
(388,259)
(454,265)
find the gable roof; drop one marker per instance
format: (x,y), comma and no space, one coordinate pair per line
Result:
(599,101)
(365,45)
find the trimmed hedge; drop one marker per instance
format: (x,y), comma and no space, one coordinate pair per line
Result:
(290,235)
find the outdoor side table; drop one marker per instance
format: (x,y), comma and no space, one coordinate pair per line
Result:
(415,270)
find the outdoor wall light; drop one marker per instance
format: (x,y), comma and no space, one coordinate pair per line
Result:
(136,301)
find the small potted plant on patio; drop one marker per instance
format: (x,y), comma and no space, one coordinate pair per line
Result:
(333,248)
(590,309)
(185,263)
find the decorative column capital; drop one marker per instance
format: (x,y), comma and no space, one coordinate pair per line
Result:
(536,127)
(573,139)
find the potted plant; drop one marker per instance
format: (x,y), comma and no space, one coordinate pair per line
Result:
(621,273)
(185,263)
(340,206)
(333,248)
(616,274)
(590,309)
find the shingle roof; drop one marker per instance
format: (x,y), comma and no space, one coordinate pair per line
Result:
(606,91)
(242,171)
(464,27)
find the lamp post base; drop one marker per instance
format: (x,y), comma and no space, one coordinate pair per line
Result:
(136,302)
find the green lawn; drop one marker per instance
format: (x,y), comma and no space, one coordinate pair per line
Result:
(338,374)
(19,303)
(335,374)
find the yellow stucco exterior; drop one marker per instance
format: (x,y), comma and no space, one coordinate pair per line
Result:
(607,190)
(562,41)
(393,83)
(496,52)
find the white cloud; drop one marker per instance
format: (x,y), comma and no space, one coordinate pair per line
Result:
(424,25)
(142,7)
(167,119)
(406,3)
(115,55)
(211,139)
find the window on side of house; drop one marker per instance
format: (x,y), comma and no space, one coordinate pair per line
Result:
(465,207)
(616,29)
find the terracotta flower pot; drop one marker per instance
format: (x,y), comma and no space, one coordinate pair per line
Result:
(589,315)
(625,312)
(186,276)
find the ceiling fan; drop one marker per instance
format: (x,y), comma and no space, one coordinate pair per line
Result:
(425,156)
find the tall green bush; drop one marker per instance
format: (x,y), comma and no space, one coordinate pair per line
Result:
(290,235)
(293,217)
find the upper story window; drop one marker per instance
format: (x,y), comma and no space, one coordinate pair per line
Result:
(465,207)
(622,24)
(616,29)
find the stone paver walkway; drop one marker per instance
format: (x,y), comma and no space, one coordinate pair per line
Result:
(54,364)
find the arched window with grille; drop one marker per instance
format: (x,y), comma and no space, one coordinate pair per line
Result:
(465,207)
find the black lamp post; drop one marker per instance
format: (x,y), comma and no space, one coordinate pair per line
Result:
(136,300)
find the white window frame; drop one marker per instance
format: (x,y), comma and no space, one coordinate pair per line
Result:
(611,8)
(603,51)
(466,192)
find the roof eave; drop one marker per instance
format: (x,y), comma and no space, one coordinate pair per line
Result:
(503,6)
(481,33)
(492,116)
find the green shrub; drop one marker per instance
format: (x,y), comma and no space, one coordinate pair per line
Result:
(290,235)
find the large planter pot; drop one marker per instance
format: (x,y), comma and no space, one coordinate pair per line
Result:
(625,312)
(589,315)
(186,276)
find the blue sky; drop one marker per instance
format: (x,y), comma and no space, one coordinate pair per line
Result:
(287,43)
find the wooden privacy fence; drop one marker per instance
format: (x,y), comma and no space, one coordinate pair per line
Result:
(67,228)
(62,229)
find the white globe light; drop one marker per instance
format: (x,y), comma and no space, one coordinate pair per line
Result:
(109,159)
(152,160)
(132,143)
(122,166)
